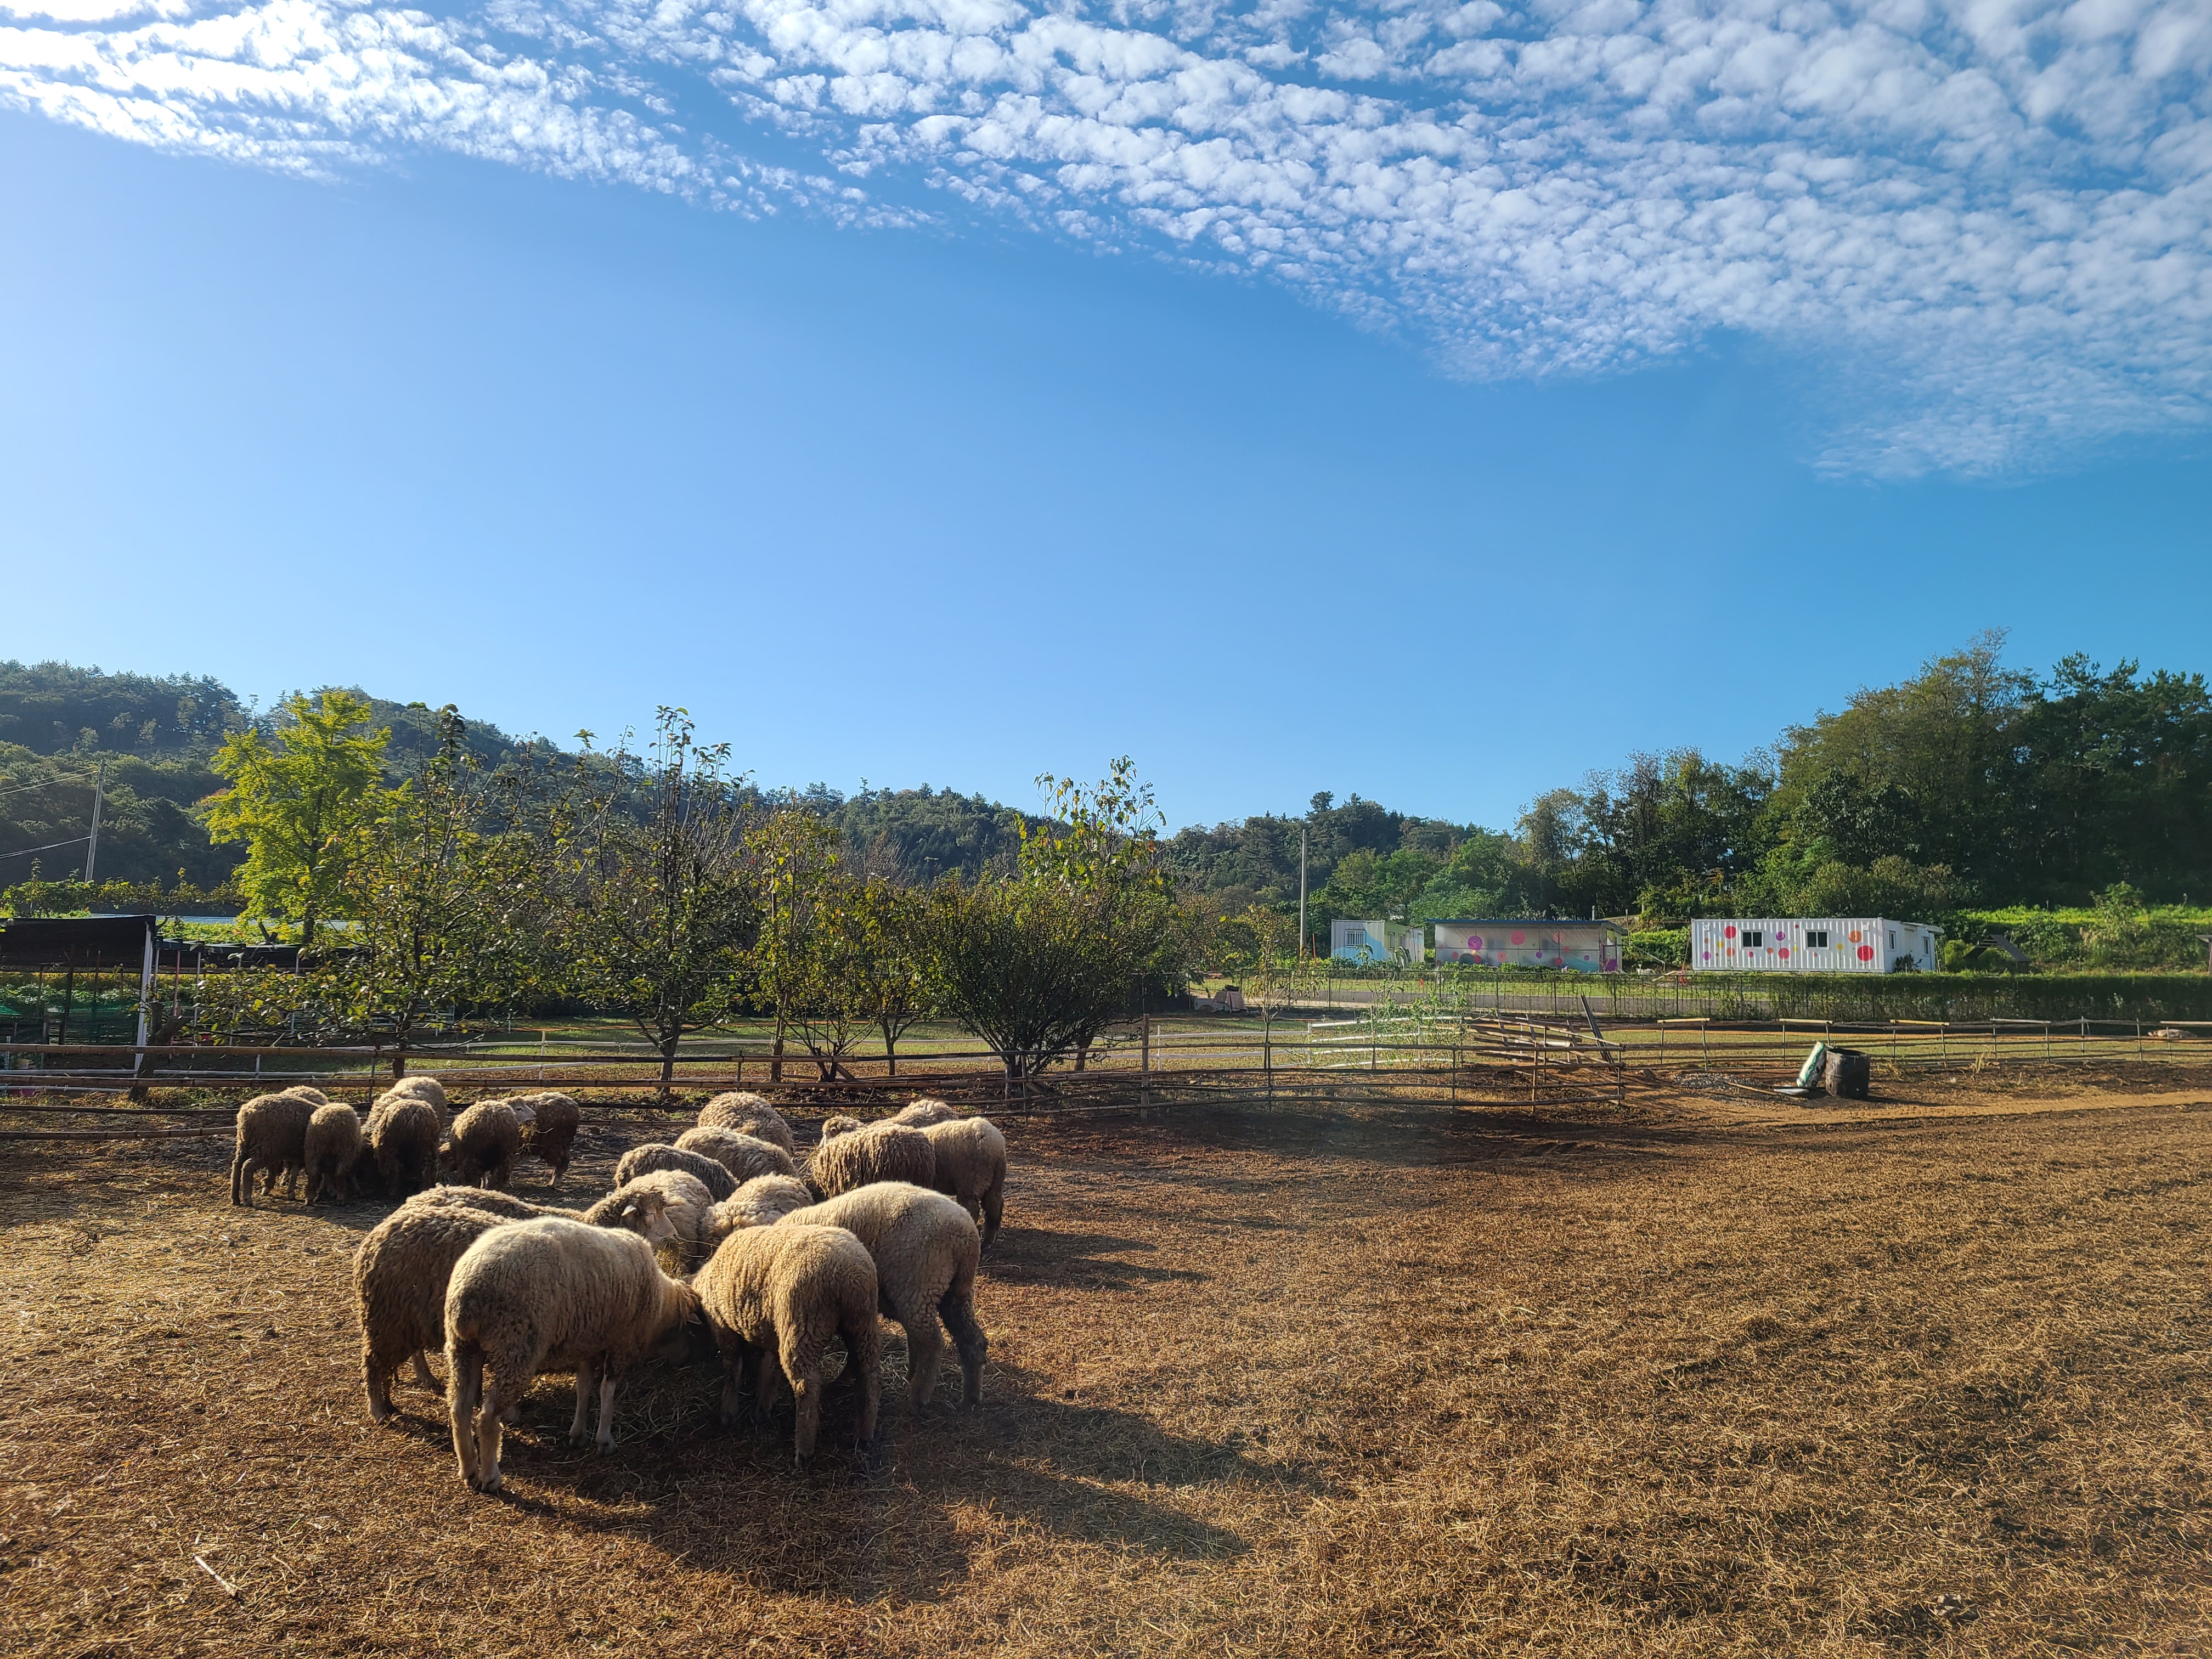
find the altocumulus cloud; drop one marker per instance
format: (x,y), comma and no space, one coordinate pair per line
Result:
(1991,221)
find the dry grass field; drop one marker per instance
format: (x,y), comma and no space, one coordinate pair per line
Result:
(1703,1377)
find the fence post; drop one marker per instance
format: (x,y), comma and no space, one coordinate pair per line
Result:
(1267,1054)
(1145,1078)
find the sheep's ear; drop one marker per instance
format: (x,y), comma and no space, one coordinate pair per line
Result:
(628,1210)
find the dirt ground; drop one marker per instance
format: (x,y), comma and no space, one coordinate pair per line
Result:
(1711,1377)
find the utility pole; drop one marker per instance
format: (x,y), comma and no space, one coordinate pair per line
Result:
(1302,889)
(92,846)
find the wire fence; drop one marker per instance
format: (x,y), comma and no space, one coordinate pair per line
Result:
(1428,1053)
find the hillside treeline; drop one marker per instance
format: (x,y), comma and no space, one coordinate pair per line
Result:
(1969,784)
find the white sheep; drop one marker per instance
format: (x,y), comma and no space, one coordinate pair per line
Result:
(659,1155)
(331,1150)
(925,1251)
(881,1151)
(743,1155)
(683,1199)
(399,1276)
(761,1202)
(549,1121)
(403,1132)
(773,1298)
(749,1114)
(486,1139)
(547,1294)
(922,1113)
(971,1167)
(272,1140)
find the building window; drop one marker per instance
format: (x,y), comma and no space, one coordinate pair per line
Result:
(1355,936)
(1752,938)
(1816,939)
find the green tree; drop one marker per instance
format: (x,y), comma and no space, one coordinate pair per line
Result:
(654,912)
(297,802)
(1036,964)
(794,859)
(893,986)
(446,911)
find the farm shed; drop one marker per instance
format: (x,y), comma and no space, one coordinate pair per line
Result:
(92,964)
(1813,944)
(1583,947)
(1375,941)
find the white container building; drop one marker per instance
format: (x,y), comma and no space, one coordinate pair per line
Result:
(1812,945)
(1376,941)
(1584,947)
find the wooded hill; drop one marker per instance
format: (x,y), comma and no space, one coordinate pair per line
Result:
(1970,786)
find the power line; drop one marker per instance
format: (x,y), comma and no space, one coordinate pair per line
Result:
(22,852)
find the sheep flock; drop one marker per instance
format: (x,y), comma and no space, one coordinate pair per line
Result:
(726,1244)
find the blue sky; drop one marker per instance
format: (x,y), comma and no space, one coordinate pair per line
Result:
(1433,402)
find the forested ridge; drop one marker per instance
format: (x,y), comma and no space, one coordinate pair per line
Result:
(1972,785)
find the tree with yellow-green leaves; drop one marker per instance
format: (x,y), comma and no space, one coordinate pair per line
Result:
(298,797)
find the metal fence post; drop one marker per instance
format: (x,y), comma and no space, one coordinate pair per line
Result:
(1145,1078)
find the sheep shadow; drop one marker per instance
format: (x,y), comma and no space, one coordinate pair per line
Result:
(1025,1255)
(902,1519)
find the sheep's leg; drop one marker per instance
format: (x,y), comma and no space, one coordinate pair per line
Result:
(733,1381)
(864,1353)
(767,1381)
(606,1441)
(508,1384)
(502,1177)
(464,1384)
(958,1308)
(241,1179)
(422,1371)
(579,1425)
(995,1209)
(376,1374)
(292,1180)
(925,1349)
(807,1401)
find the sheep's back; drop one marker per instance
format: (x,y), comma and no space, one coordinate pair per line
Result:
(562,1289)
(749,1114)
(743,1155)
(883,1152)
(660,1155)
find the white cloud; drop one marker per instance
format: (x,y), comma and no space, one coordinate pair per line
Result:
(1994,218)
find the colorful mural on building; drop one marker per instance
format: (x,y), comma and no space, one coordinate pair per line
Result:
(1584,947)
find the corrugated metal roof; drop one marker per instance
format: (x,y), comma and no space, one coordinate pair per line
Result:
(75,941)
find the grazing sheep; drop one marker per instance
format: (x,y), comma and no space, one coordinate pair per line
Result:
(636,1208)
(659,1155)
(404,1131)
(971,1166)
(546,1295)
(399,1276)
(882,1152)
(839,1125)
(506,1206)
(272,1139)
(549,1122)
(486,1139)
(683,1199)
(773,1298)
(761,1202)
(423,1087)
(331,1150)
(925,1251)
(744,1155)
(749,1114)
(920,1114)
(307,1092)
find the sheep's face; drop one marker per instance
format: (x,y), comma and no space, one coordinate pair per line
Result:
(647,1217)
